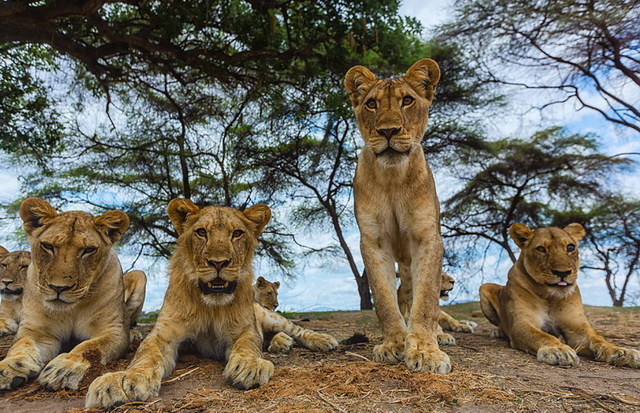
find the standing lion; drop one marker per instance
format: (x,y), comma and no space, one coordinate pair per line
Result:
(397,209)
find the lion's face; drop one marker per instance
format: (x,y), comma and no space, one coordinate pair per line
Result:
(392,114)
(13,272)
(446,285)
(266,293)
(550,255)
(68,250)
(220,243)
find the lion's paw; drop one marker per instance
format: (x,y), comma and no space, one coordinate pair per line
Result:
(620,356)
(135,335)
(388,352)
(114,389)
(497,333)
(445,339)
(63,372)
(15,372)
(419,356)
(280,343)
(9,328)
(465,326)
(561,355)
(247,372)
(320,342)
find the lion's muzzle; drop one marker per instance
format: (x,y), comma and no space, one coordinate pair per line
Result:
(217,286)
(7,291)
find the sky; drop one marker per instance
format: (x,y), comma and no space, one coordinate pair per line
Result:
(327,284)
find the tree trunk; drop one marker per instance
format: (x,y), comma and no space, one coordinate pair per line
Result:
(365,292)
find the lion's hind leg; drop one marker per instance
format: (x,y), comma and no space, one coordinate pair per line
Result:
(135,283)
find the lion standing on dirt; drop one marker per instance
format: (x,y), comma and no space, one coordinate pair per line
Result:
(209,302)
(397,209)
(541,303)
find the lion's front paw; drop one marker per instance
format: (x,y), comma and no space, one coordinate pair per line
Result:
(114,389)
(561,355)
(419,356)
(247,372)
(445,339)
(63,372)
(320,342)
(280,343)
(465,326)
(619,356)
(15,372)
(497,333)
(389,352)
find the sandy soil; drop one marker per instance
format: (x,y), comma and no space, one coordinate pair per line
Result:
(487,376)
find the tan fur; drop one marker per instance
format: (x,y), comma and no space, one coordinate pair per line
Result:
(73,252)
(445,321)
(272,323)
(397,210)
(135,287)
(535,311)
(13,272)
(220,325)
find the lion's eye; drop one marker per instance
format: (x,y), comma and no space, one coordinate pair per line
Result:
(46,246)
(407,100)
(3,265)
(238,233)
(371,103)
(23,267)
(571,247)
(89,250)
(541,249)
(201,232)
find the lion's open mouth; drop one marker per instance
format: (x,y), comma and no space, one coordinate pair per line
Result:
(392,152)
(444,293)
(560,284)
(217,286)
(11,292)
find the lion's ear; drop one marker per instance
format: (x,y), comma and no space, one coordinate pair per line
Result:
(423,76)
(358,81)
(113,224)
(34,212)
(521,234)
(3,250)
(260,215)
(277,284)
(260,281)
(179,210)
(576,230)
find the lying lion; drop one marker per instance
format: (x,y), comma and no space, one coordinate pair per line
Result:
(541,303)
(74,291)
(445,321)
(281,331)
(209,302)
(13,272)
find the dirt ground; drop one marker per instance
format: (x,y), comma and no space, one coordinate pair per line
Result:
(487,376)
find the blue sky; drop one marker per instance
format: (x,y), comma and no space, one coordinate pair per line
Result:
(322,284)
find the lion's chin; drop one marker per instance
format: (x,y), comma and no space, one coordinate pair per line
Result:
(57,304)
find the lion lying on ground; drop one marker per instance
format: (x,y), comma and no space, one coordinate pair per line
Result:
(209,302)
(397,210)
(445,321)
(13,272)
(541,302)
(278,330)
(73,292)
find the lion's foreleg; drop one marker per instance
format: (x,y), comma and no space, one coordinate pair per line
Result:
(154,360)
(27,356)
(581,336)
(525,335)
(9,317)
(421,345)
(135,283)
(405,292)
(381,273)
(246,369)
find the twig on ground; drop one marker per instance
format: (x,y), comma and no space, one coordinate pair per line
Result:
(349,353)
(181,376)
(330,403)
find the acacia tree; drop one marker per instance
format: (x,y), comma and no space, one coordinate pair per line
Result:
(523,181)
(580,51)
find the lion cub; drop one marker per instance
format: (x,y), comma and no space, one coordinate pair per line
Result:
(13,271)
(73,292)
(397,210)
(209,302)
(541,302)
(279,329)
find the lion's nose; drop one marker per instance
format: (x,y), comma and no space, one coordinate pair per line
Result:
(7,282)
(218,265)
(388,133)
(561,274)
(59,288)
